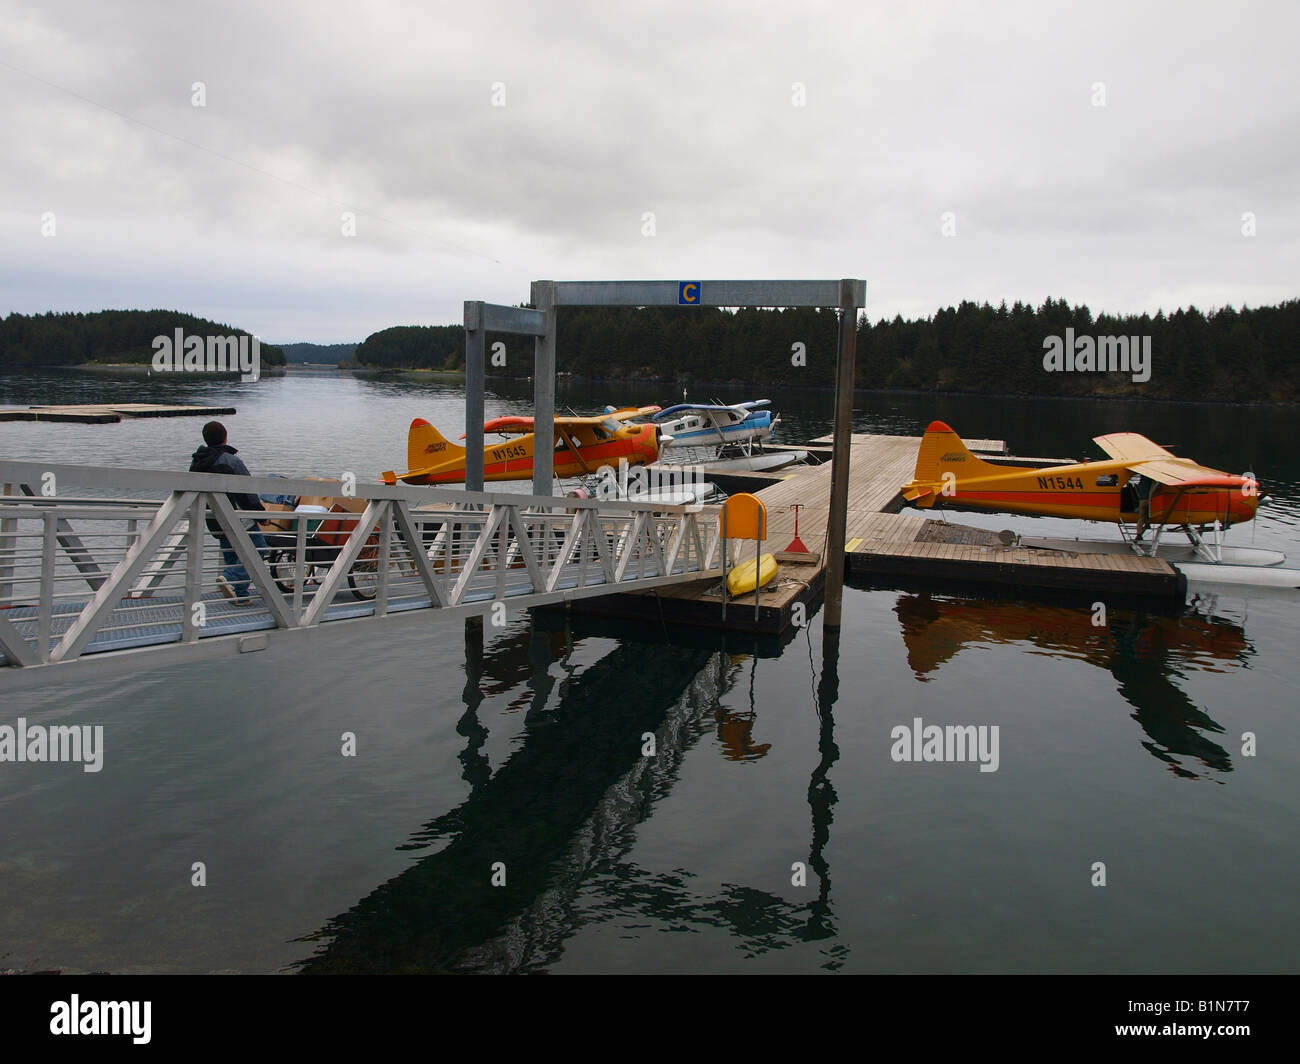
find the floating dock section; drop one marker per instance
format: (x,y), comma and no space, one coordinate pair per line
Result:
(108,413)
(882,542)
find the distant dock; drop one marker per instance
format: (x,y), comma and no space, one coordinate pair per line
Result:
(107,413)
(881,542)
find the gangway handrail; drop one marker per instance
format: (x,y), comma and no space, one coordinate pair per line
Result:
(166,480)
(100,576)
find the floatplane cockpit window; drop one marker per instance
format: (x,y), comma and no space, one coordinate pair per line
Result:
(1109,480)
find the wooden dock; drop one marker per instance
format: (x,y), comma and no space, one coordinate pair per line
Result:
(107,413)
(980,447)
(884,542)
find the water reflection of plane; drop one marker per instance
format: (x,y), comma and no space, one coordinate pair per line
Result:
(1144,652)
(561,809)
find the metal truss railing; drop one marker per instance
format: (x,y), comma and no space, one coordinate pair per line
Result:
(83,575)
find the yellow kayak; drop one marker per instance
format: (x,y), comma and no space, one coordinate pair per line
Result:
(740,580)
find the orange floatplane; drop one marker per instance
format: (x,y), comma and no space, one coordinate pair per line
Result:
(582,445)
(1142,485)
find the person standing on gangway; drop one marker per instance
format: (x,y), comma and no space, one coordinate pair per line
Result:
(217,456)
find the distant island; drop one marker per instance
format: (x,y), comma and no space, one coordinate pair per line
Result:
(317,354)
(1227,355)
(105,338)
(406,347)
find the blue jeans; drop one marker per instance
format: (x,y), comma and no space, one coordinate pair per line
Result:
(236,574)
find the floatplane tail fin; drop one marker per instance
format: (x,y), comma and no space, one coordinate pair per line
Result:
(426,449)
(942,452)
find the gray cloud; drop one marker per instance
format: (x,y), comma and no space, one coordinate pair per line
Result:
(684,110)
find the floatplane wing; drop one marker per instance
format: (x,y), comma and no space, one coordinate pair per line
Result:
(627,413)
(518,424)
(1151,460)
(717,413)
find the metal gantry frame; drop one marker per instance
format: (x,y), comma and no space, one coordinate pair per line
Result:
(82,575)
(847,295)
(480,319)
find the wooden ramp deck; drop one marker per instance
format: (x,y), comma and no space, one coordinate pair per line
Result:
(881,541)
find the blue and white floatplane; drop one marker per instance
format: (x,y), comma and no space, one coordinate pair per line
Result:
(697,424)
(735,433)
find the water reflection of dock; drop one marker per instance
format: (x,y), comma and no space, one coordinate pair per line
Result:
(530,816)
(560,814)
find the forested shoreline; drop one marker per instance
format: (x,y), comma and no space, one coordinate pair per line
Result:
(1228,355)
(317,354)
(105,337)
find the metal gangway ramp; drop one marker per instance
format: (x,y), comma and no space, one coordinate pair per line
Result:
(82,574)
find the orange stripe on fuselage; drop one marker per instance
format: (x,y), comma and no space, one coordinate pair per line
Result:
(1086,498)
(1088,506)
(1194,508)
(638,450)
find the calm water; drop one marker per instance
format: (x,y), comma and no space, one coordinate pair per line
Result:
(1120,745)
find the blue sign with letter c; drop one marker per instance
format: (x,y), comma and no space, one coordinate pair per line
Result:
(688,293)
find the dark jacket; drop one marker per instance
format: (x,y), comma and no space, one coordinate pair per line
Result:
(221,459)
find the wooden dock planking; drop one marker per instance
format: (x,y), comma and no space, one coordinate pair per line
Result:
(978,446)
(167,410)
(1010,566)
(81,415)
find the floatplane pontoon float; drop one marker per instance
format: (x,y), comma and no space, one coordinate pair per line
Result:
(1142,488)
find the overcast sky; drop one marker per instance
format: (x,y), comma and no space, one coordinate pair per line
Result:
(483,145)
